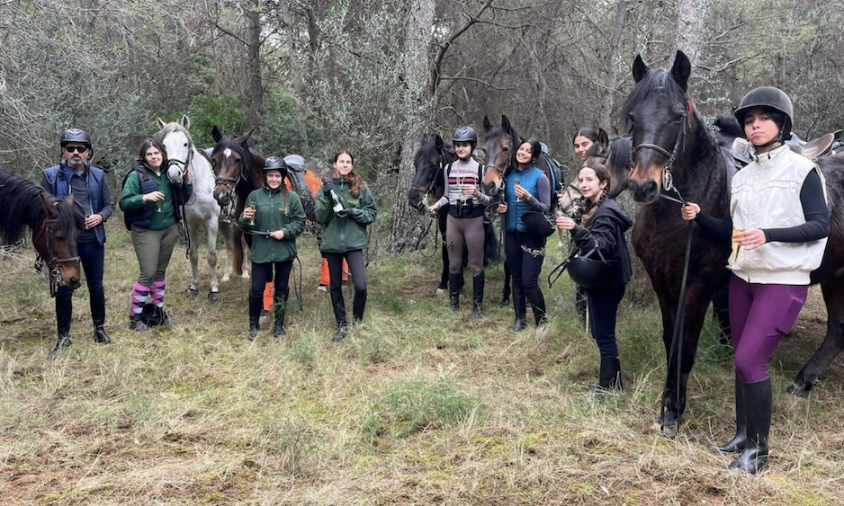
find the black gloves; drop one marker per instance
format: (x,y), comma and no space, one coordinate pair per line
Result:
(326,188)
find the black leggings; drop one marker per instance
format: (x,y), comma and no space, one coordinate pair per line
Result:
(263,274)
(357,268)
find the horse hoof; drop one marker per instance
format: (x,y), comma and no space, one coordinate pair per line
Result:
(214,296)
(245,276)
(191,293)
(504,303)
(670,425)
(226,279)
(440,291)
(801,391)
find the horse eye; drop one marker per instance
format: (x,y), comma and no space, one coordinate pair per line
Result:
(630,118)
(506,148)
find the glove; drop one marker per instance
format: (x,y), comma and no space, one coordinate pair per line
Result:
(342,213)
(326,188)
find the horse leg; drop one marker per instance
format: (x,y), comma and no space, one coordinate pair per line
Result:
(245,247)
(694,315)
(833,344)
(237,260)
(721,311)
(505,294)
(226,230)
(193,252)
(213,226)
(443,287)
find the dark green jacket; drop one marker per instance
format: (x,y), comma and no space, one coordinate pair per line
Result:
(345,234)
(274,212)
(132,200)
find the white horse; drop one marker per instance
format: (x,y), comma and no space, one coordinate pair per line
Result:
(201,208)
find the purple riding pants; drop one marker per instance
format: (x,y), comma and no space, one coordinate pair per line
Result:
(759,316)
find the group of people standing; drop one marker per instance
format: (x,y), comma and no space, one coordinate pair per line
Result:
(151,204)
(778,198)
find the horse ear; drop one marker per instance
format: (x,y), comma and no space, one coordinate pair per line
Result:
(603,140)
(682,69)
(161,123)
(505,124)
(243,139)
(49,208)
(640,68)
(487,124)
(216,134)
(185,122)
(438,142)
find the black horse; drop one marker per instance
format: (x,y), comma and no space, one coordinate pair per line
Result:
(55,226)
(430,161)
(672,143)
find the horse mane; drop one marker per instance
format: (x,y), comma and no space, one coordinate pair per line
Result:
(657,81)
(229,142)
(22,200)
(173,127)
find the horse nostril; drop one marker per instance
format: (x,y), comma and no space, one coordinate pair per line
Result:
(651,187)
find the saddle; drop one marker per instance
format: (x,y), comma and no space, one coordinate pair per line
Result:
(813,149)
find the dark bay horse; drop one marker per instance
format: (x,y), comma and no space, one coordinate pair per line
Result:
(672,143)
(430,161)
(239,171)
(55,227)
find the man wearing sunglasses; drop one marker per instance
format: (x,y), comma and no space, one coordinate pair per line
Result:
(92,199)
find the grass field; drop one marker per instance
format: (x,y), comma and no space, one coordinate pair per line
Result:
(417,406)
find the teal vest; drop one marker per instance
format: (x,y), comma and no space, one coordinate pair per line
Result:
(529,180)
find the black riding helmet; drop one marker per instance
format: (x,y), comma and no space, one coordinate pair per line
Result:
(768,98)
(591,272)
(75,135)
(465,133)
(275,163)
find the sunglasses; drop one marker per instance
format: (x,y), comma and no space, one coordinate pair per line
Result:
(77,149)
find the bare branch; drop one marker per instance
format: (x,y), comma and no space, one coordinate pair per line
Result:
(435,72)
(476,80)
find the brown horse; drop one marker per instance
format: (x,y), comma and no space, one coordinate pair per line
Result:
(673,148)
(55,227)
(239,172)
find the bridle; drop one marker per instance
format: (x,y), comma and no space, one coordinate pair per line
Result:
(230,183)
(53,262)
(182,165)
(667,177)
(424,190)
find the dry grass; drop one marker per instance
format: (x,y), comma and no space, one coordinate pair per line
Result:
(418,406)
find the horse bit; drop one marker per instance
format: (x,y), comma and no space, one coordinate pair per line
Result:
(53,262)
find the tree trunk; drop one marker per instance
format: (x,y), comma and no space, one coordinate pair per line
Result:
(406,225)
(299,112)
(256,89)
(610,72)
(689,33)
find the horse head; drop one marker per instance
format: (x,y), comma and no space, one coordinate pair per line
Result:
(657,112)
(233,163)
(55,240)
(500,145)
(431,158)
(178,146)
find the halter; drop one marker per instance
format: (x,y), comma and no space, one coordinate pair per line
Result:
(667,178)
(53,262)
(182,165)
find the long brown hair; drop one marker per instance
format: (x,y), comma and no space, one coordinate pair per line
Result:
(603,175)
(356,182)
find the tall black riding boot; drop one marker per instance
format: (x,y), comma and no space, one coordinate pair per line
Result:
(256,304)
(478,296)
(98,310)
(278,310)
(609,378)
(519,305)
(64,312)
(537,305)
(339,314)
(757,410)
(455,285)
(737,443)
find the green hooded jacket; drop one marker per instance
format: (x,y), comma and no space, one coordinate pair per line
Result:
(348,233)
(274,212)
